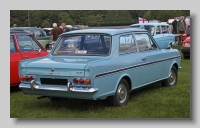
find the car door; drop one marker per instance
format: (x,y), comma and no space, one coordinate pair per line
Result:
(151,56)
(29,47)
(15,58)
(129,59)
(168,37)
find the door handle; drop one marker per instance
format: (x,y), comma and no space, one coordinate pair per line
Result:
(26,57)
(143,58)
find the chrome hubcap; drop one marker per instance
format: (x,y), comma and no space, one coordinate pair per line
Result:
(121,93)
(172,78)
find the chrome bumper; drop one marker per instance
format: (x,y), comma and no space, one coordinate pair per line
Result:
(67,88)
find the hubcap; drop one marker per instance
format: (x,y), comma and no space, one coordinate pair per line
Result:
(121,93)
(172,78)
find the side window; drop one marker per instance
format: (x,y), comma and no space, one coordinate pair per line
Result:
(127,44)
(165,29)
(144,42)
(12,45)
(158,30)
(26,43)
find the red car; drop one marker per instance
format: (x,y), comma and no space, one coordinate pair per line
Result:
(185,49)
(184,36)
(22,46)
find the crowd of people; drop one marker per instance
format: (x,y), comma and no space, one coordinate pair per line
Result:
(181,27)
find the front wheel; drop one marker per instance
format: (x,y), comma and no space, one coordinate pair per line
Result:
(172,80)
(121,96)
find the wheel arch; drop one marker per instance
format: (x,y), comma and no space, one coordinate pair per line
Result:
(127,78)
(173,64)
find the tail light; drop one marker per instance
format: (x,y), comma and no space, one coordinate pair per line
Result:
(75,80)
(87,81)
(21,78)
(31,78)
(81,81)
(27,78)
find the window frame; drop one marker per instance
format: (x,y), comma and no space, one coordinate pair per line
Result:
(158,26)
(15,48)
(32,41)
(81,34)
(129,47)
(162,29)
(150,40)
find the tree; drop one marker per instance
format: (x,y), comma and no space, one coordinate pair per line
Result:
(16,21)
(45,24)
(115,17)
(95,20)
(64,17)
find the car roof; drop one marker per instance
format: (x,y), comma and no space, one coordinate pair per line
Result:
(19,33)
(150,24)
(24,28)
(109,31)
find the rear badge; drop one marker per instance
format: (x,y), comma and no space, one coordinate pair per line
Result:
(52,72)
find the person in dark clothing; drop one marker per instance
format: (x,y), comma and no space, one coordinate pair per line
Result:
(65,29)
(174,28)
(55,32)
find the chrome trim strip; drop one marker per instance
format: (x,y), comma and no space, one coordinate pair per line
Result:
(67,88)
(131,67)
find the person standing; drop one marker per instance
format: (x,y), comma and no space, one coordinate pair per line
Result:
(14,25)
(55,32)
(174,28)
(65,29)
(181,27)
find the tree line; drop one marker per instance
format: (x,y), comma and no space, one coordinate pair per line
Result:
(45,18)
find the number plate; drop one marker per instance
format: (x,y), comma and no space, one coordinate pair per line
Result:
(187,45)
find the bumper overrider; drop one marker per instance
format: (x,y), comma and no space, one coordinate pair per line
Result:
(68,88)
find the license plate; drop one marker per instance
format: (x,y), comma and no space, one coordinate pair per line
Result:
(187,45)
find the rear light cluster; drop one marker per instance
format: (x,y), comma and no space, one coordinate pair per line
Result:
(81,81)
(26,78)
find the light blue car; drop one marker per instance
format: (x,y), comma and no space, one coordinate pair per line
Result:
(160,32)
(110,68)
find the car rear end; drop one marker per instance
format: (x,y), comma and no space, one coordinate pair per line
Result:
(185,49)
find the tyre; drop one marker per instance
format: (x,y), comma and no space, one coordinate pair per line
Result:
(172,80)
(121,96)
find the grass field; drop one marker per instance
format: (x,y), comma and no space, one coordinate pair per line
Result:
(153,101)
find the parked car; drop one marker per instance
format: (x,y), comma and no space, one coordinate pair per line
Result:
(185,49)
(22,46)
(39,34)
(48,31)
(160,32)
(121,61)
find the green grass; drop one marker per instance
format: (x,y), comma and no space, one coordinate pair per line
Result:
(153,101)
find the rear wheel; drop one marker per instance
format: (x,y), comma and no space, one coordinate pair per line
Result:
(172,80)
(121,96)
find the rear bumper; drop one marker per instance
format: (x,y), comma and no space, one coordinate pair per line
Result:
(68,88)
(185,51)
